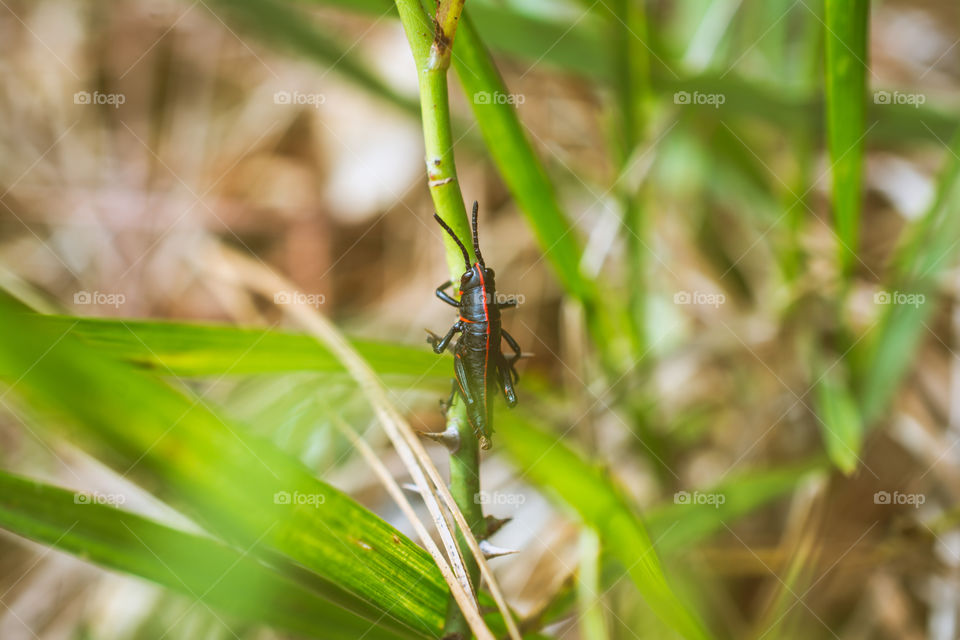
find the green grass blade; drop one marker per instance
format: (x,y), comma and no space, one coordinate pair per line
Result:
(929,248)
(687,520)
(199,567)
(846,88)
(589,592)
(840,423)
(547,461)
(518,164)
(290,29)
(580,49)
(225,479)
(511,30)
(207,349)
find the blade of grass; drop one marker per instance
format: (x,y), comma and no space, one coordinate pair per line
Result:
(547,461)
(192,350)
(525,176)
(627,23)
(684,523)
(242,269)
(803,545)
(589,595)
(580,49)
(401,500)
(518,164)
(840,424)
(677,527)
(204,569)
(928,249)
(517,32)
(223,478)
(846,88)
(290,29)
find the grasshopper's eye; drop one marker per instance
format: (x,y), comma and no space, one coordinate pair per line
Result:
(465,278)
(490,273)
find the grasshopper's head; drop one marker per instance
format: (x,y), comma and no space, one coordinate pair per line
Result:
(477,275)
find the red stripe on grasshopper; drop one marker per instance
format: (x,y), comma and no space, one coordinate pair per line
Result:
(486,317)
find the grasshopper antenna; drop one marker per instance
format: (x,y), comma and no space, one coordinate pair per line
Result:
(463,249)
(476,238)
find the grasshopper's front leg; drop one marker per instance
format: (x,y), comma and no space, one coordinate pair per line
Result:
(440,344)
(446,297)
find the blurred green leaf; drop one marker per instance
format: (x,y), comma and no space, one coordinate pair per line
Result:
(548,462)
(686,522)
(518,164)
(205,350)
(840,423)
(930,246)
(525,176)
(579,49)
(846,88)
(589,592)
(199,567)
(227,480)
(289,29)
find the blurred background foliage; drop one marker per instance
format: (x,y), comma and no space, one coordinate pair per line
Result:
(733,226)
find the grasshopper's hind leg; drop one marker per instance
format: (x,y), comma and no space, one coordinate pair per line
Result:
(517,354)
(505,376)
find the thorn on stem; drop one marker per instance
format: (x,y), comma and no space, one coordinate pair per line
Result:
(492,551)
(450,438)
(494,524)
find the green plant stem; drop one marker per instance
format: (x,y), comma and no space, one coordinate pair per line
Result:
(431,52)
(465,487)
(846,86)
(433,60)
(627,25)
